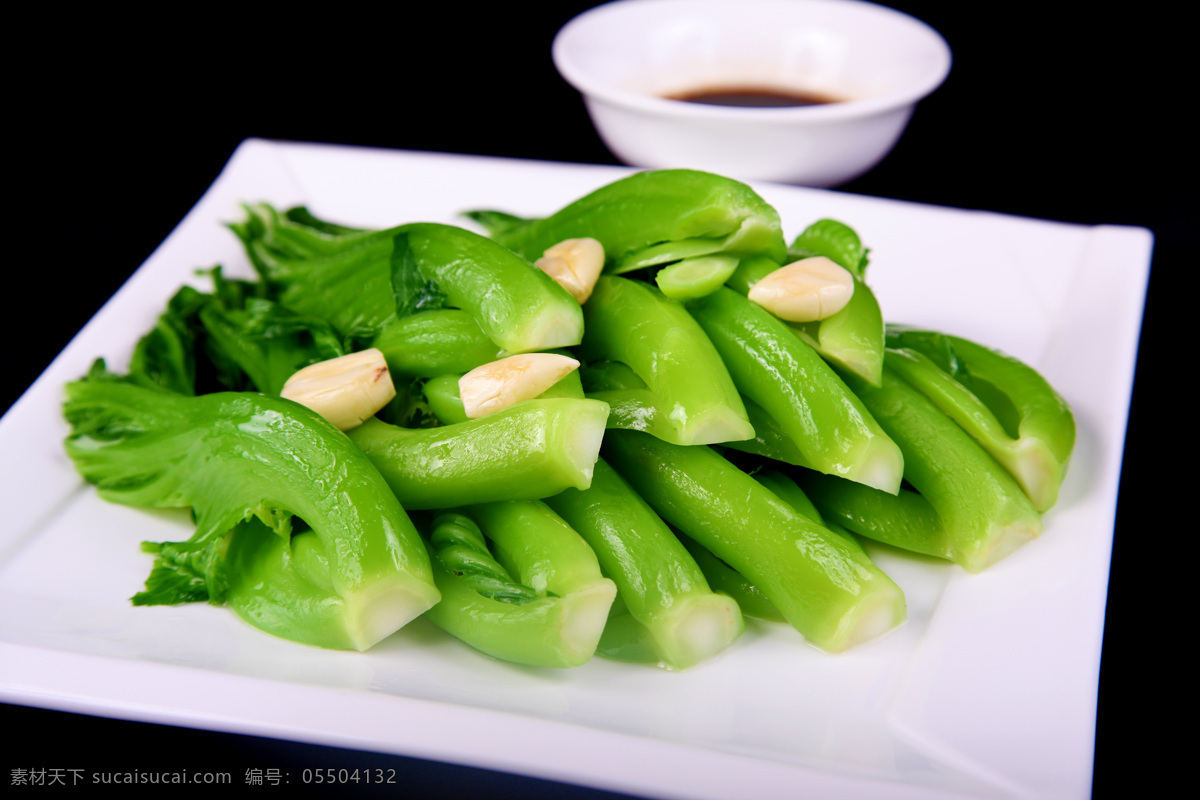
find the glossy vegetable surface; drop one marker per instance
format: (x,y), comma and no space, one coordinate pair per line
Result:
(532,450)
(232,457)
(542,553)
(1004,404)
(672,614)
(827,423)
(823,586)
(543,602)
(683,393)
(655,217)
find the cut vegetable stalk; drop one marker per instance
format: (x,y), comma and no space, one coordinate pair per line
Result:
(285,587)
(694,213)
(1005,405)
(528,451)
(969,510)
(726,579)
(515,304)
(693,278)
(830,427)
(541,600)
(233,456)
(688,397)
(824,586)
(436,342)
(851,339)
(721,577)
(670,606)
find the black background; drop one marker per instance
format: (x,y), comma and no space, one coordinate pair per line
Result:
(122,122)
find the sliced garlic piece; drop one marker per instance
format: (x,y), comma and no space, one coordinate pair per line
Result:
(500,384)
(575,264)
(347,391)
(805,291)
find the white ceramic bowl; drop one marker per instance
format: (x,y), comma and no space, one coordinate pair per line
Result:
(626,57)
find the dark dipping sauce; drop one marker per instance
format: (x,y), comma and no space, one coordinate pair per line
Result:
(749,97)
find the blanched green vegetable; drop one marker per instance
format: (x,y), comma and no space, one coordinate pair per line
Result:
(528,451)
(348,285)
(235,456)
(969,510)
(852,339)
(653,217)
(693,278)
(671,609)
(300,528)
(830,427)
(516,305)
(266,342)
(683,392)
(823,585)
(361,281)
(432,343)
(1005,405)
(539,600)
(726,579)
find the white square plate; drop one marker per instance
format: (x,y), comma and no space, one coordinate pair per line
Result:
(989,689)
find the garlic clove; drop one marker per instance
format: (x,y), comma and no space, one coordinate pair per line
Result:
(575,264)
(347,390)
(495,386)
(805,291)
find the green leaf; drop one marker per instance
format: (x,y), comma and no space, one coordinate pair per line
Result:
(458,544)
(165,356)
(184,572)
(301,215)
(497,222)
(936,346)
(266,342)
(411,290)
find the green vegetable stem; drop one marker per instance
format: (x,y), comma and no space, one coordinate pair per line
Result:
(431,343)
(1004,404)
(515,304)
(235,456)
(830,427)
(672,615)
(683,393)
(965,507)
(823,585)
(360,281)
(537,597)
(528,451)
(285,587)
(442,394)
(851,339)
(652,218)
(724,578)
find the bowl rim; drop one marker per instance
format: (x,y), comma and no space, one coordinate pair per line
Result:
(908,95)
